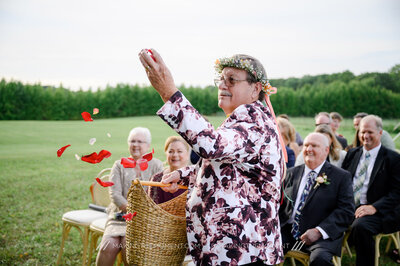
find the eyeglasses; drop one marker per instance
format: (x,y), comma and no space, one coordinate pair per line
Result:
(137,141)
(322,124)
(230,82)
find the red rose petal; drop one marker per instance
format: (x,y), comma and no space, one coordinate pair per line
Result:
(86,116)
(96,158)
(148,156)
(128,163)
(104,183)
(129,216)
(143,164)
(150,52)
(104,154)
(61,150)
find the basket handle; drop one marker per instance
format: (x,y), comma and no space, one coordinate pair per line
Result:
(155,184)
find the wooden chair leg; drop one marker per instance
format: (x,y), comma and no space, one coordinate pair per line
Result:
(92,246)
(85,241)
(65,232)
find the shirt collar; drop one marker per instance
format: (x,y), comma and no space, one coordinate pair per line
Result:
(317,169)
(373,152)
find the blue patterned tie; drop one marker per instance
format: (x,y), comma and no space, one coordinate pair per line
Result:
(359,179)
(310,181)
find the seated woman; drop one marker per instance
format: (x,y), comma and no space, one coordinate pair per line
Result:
(336,154)
(113,241)
(177,152)
(289,137)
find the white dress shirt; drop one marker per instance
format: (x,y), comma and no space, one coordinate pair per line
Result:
(300,192)
(373,154)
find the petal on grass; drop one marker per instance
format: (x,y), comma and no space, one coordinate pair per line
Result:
(92,141)
(109,135)
(104,183)
(61,150)
(95,111)
(77,157)
(86,116)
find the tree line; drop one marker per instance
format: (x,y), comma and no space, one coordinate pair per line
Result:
(346,93)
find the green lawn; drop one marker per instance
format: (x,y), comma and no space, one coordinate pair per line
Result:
(38,187)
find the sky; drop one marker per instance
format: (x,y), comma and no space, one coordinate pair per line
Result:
(91,44)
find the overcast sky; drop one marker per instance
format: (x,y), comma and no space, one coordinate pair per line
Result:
(94,43)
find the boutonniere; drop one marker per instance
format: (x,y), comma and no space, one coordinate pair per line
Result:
(321,180)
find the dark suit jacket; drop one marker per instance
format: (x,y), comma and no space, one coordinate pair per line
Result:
(329,206)
(384,184)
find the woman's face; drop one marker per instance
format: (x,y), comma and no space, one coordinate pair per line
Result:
(335,124)
(237,93)
(138,145)
(177,155)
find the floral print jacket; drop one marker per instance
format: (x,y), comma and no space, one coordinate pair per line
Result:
(234,190)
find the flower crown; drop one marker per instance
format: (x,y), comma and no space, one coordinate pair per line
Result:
(246,65)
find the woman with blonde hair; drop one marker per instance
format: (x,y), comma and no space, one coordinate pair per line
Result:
(289,137)
(336,154)
(178,154)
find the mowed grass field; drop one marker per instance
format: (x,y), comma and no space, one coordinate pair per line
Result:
(37,187)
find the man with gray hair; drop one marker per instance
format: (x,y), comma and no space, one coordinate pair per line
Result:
(376,185)
(318,206)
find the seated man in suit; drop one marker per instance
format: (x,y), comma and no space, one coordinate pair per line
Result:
(318,206)
(376,184)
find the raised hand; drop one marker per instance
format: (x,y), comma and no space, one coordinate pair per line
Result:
(158,73)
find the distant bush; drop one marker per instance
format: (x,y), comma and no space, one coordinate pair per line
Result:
(375,93)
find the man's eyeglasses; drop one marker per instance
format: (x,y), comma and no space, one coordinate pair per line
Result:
(322,124)
(137,141)
(230,82)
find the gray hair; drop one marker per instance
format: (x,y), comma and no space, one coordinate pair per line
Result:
(140,130)
(324,114)
(377,119)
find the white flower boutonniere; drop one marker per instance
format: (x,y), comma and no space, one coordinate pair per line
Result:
(321,180)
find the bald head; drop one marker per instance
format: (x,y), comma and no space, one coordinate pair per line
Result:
(315,150)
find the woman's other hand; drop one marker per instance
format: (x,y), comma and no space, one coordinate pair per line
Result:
(172,178)
(158,73)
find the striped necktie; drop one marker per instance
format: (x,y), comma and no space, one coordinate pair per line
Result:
(359,178)
(295,226)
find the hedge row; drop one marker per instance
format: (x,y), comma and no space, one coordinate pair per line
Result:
(34,102)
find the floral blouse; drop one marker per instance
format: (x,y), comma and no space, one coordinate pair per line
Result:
(234,190)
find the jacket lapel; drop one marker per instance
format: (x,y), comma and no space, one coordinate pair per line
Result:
(377,165)
(355,162)
(297,175)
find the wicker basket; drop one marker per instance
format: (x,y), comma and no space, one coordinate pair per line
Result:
(157,234)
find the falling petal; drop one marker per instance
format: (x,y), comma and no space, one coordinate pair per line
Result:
(109,135)
(77,157)
(86,116)
(95,111)
(128,163)
(143,164)
(61,150)
(148,156)
(129,216)
(104,183)
(96,158)
(104,154)
(92,141)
